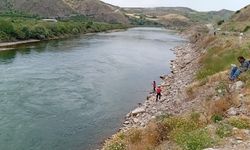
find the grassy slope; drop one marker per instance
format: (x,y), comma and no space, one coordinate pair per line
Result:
(239,22)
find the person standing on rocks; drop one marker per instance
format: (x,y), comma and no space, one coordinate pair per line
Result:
(154,86)
(158,93)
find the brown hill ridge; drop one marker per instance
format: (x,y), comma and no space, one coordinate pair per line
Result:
(95,9)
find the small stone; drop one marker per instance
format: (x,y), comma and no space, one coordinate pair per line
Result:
(126,122)
(239,85)
(239,141)
(153,117)
(219,91)
(138,110)
(239,138)
(136,120)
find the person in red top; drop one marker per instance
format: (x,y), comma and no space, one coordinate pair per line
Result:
(158,93)
(154,86)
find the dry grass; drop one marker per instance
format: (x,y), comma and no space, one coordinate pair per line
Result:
(214,107)
(147,138)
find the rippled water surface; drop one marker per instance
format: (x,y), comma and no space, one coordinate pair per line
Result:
(71,94)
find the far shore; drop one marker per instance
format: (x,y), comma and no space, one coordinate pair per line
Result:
(4,46)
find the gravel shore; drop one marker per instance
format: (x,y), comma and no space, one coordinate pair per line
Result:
(174,97)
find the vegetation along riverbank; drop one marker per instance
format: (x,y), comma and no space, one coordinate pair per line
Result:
(15,27)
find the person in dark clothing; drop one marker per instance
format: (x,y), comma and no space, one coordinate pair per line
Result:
(158,93)
(236,71)
(154,86)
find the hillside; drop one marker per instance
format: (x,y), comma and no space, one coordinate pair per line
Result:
(239,22)
(97,10)
(63,8)
(184,16)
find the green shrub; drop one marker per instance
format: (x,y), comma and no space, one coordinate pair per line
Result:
(194,140)
(4,36)
(220,22)
(7,27)
(39,32)
(239,122)
(216,118)
(181,123)
(246,28)
(116,146)
(238,11)
(224,130)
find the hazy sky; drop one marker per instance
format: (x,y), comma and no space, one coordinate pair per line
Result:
(202,5)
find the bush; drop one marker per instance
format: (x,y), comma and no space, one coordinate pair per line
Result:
(7,27)
(239,122)
(116,146)
(216,118)
(246,28)
(224,130)
(238,11)
(181,123)
(194,140)
(220,22)
(39,32)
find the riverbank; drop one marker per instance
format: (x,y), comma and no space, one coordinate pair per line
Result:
(174,86)
(4,46)
(174,99)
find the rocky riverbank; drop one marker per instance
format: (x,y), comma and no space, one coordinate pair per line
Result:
(174,97)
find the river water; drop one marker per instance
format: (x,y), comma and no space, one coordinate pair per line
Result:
(71,94)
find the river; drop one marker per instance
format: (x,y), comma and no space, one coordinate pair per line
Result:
(71,94)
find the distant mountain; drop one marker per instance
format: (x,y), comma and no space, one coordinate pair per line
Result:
(239,22)
(160,11)
(179,16)
(95,9)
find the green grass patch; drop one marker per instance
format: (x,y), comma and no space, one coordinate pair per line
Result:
(188,133)
(239,122)
(217,118)
(217,60)
(116,146)
(224,130)
(193,140)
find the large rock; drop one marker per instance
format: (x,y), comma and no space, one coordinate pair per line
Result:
(138,110)
(239,85)
(232,111)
